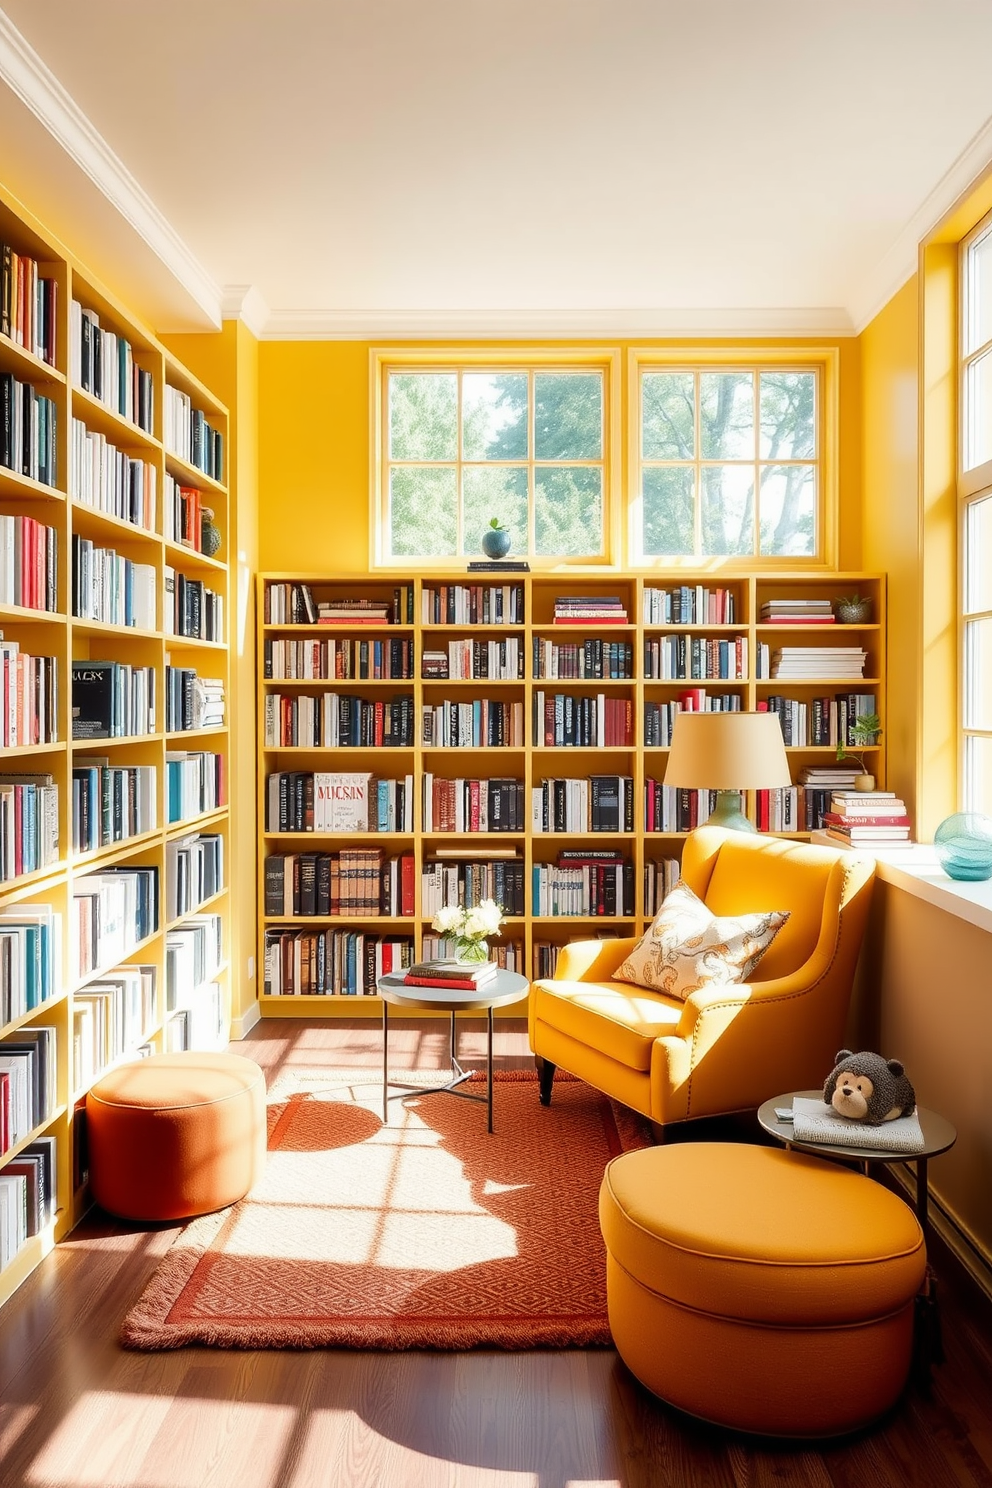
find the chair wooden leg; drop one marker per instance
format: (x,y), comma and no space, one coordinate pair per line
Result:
(545,1075)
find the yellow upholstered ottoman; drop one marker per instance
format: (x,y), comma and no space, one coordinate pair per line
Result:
(758,1288)
(176,1135)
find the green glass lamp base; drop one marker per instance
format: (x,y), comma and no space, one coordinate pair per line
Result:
(727,813)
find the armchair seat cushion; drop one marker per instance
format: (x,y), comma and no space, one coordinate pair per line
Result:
(619,1021)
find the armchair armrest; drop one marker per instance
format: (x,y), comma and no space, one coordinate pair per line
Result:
(592,960)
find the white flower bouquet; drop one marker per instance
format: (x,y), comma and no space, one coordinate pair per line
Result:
(469,929)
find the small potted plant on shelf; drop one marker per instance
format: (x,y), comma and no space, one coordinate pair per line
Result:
(853,609)
(867,730)
(496,539)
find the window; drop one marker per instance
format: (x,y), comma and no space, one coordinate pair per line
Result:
(730,460)
(524,439)
(975,498)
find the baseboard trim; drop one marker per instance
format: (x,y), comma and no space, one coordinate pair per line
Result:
(962,1244)
(241,1027)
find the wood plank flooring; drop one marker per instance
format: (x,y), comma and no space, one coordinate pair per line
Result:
(77,1411)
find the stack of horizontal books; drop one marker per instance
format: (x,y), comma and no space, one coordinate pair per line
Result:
(463,976)
(797,612)
(866,819)
(589,609)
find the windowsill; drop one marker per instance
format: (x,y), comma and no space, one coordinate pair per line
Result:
(915,870)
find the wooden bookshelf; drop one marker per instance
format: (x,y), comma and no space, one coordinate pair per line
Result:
(719,621)
(95,431)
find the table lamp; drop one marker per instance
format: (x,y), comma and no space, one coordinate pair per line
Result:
(728,753)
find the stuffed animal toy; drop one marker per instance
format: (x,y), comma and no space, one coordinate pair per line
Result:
(865,1087)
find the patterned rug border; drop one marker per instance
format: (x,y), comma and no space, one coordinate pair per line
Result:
(147,1327)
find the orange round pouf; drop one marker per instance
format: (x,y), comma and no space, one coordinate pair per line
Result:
(758,1288)
(175,1135)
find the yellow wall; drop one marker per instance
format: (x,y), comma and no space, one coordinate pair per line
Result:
(314,452)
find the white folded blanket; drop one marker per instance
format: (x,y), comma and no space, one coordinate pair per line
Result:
(813,1121)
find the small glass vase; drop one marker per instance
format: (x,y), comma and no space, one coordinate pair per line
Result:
(472,952)
(963,843)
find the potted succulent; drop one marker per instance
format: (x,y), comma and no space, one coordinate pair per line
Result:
(867,730)
(496,539)
(853,609)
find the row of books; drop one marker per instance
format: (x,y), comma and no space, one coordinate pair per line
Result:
(191,608)
(111,1017)
(28,304)
(469,883)
(331,801)
(194,872)
(111,700)
(110,480)
(111,913)
(30,958)
(659,718)
(336,719)
(672,808)
(345,659)
(103,363)
(472,604)
(193,957)
(660,877)
(689,604)
(683,658)
(593,659)
(110,588)
(589,609)
(595,803)
(812,662)
(194,783)
(182,514)
(481,724)
(590,721)
(199,1026)
(29,697)
(582,886)
(192,701)
(354,881)
(28,1083)
(27,1196)
(111,802)
(471,660)
(820,720)
(779,810)
(28,431)
(28,563)
(188,434)
(339,963)
(495,804)
(29,824)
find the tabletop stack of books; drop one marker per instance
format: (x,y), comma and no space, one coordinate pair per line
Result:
(797,612)
(458,974)
(589,609)
(866,819)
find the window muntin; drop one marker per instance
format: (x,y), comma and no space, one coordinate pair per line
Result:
(975,526)
(526,444)
(730,463)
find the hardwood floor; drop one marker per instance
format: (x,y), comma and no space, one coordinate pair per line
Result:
(77,1411)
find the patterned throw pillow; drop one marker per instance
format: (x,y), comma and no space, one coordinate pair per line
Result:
(687,947)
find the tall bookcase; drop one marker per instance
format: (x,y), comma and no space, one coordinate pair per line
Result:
(115,469)
(684,639)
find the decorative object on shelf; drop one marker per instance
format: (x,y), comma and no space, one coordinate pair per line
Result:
(469,929)
(868,1087)
(496,539)
(867,730)
(963,844)
(853,609)
(209,532)
(728,753)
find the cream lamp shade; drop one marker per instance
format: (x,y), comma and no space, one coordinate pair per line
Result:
(728,753)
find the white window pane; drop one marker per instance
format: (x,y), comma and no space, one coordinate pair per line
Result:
(668,416)
(978,674)
(727,514)
(978,412)
(788,415)
(726,415)
(788,511)
(423,416)
(423,511)
(978,555)
(978,319)
(494,416)
(495,491)
(568,511)
(667,512)
(978,774)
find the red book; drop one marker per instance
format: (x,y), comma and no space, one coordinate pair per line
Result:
(406,884)
(460,983)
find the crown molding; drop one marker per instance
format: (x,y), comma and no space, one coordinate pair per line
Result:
(902,259)
(26,75)
(244,302)
(379,325)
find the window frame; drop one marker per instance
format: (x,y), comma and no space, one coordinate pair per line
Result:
(604,359)
(823,360)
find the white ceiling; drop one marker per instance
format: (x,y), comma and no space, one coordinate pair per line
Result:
(446,167)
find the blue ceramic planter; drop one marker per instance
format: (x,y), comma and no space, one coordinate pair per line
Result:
(496,542)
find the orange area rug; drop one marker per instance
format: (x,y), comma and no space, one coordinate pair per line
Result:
(423,1233)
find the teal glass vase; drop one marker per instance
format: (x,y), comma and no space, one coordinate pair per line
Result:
(963,843)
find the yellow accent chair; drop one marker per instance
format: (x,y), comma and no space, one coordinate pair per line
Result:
(726,1048)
